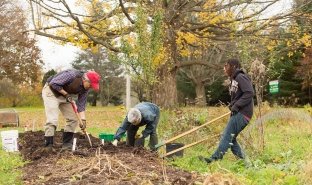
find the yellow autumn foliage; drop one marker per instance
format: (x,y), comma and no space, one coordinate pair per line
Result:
(306,40)
(97,28)
(160,58)
(184,39)
(271,45)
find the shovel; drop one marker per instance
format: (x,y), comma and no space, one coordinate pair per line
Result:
(80,121)
(190,131)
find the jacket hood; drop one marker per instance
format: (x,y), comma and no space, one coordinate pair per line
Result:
(236,73)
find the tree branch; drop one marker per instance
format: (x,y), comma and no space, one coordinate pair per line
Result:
(81,28)
(125,12)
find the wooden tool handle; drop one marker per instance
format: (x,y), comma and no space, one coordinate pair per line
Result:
(192,130)
(189,145)
(80,121)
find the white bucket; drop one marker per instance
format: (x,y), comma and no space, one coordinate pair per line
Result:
(9,140)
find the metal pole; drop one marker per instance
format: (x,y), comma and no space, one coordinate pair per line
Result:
(128,92)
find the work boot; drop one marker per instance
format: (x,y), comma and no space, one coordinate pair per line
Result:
(67,140)
(207,160)
(48,145)
(48,141)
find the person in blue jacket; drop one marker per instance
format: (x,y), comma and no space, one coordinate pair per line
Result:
(144,113)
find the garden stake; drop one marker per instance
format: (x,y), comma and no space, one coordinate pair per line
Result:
(190,131)
(80,122)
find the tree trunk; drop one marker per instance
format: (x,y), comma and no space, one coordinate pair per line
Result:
(200,94)
(94,98)
(165,93)
(102,94)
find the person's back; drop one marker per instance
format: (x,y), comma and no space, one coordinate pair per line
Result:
(148,110)
(144,113)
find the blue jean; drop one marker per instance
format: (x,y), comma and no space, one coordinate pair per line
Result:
(228,140)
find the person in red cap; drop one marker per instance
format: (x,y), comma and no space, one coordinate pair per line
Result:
(57,95)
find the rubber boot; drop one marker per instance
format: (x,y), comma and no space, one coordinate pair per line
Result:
(48,141)
(67,141)
(153,141)
(48,144)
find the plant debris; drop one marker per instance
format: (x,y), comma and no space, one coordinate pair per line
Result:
(101,164)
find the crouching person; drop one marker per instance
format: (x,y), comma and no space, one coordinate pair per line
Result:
(144,113)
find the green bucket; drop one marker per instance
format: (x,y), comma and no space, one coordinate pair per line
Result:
(108,137)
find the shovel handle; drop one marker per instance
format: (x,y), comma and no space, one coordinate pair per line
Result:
(73,104)
(190,131)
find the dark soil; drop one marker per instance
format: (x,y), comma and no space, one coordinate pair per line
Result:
(97,165)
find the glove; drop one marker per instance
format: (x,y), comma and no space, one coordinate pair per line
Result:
(115,142)
(233,112)
(68,98)
(139,142)
(84,124)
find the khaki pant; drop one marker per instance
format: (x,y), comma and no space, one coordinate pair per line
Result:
(52,107)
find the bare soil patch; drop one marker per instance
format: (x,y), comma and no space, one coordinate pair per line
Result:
(101,164)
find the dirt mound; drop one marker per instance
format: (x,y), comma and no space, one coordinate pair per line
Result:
(97,165)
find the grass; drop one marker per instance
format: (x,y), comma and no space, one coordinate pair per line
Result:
(284,160)
(9,164)
(287,150)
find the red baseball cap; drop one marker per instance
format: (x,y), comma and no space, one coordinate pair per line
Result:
(94,78)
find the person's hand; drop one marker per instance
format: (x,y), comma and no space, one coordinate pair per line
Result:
(68,98)
(115,142)
(84,124)
(234,110)
(233,113)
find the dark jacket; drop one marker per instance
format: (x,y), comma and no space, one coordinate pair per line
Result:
(150,117)
(242,93)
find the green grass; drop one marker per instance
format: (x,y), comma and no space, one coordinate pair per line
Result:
(9,167)
(288,144)
(287,149)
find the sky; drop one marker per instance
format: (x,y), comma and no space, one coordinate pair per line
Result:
(56,56)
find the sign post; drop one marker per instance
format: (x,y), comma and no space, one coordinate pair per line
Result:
(274,86)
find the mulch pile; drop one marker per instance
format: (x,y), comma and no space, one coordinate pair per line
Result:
(101,164)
